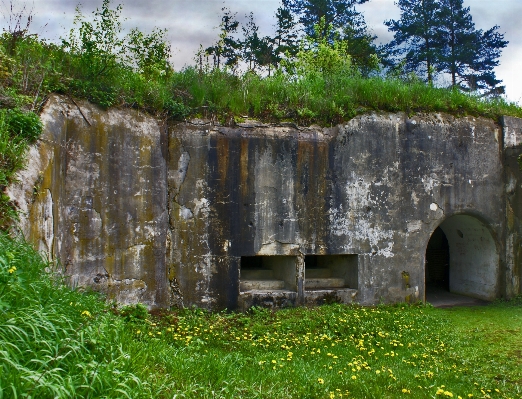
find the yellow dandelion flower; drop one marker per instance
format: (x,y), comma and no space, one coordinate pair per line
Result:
(320,381)
(86,313)
(354,377)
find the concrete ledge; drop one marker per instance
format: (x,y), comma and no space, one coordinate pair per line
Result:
(325,283)
(274,299)
(261,285)
(321,297)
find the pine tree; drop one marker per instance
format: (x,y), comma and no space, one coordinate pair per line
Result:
(227,46)
(336,13)
(286,37)
(468,55)
(416,37)
(360,45)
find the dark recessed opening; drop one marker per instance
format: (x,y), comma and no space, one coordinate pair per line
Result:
(331,271)
(268,273)
(437,261)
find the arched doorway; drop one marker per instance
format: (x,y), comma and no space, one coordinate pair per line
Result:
(462,257)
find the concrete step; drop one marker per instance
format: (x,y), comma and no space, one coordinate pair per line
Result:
(331,282)
(257,274)
(261,285)
(317,273)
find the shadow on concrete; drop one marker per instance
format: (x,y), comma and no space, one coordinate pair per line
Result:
(441,298)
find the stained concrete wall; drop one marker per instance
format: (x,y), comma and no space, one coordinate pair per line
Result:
(94,197)
(377,187)
(163,215)
(513,187)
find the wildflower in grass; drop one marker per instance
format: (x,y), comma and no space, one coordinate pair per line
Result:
(354,377)
(86,313)
(320,381)
(404,390)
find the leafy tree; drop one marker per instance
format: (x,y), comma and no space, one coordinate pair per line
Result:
(149,54)
(340,16)
(416,37)
(468,55)
(321,56)
(98,44)
(336,13)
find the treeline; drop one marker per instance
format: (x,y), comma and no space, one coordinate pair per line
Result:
(431,38)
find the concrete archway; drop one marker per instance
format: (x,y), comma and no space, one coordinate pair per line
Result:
(462,257)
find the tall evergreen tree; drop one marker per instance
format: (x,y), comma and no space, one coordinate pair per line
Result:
(286,36)
(360,45)
(227,47)
(416,37)
(341,22)
(336,13)
(468,55)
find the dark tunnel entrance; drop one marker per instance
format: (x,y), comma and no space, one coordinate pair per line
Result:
(461,257)
(437,262)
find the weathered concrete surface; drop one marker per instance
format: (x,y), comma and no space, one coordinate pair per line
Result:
(376,187)
(513,188)
(94,196)
(169,216)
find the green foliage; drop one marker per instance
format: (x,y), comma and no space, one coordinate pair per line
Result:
(322,54)
(17,130)
(435,36)
(59,343)
(134,313)
(97,45)
(22,124)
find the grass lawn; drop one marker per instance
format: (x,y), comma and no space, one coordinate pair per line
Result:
(58,343)
(344,351)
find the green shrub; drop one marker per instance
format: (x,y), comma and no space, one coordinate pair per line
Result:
(22,124)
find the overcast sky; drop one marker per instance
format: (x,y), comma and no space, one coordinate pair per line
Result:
(194,22)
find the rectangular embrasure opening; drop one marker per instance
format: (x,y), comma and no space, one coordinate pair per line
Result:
(268,273)
(331,271)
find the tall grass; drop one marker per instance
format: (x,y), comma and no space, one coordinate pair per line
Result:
(56,342)
(36,69)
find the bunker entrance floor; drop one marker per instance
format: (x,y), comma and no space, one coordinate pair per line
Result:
(442,298)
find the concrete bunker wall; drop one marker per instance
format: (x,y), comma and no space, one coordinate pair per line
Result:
(166,215)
